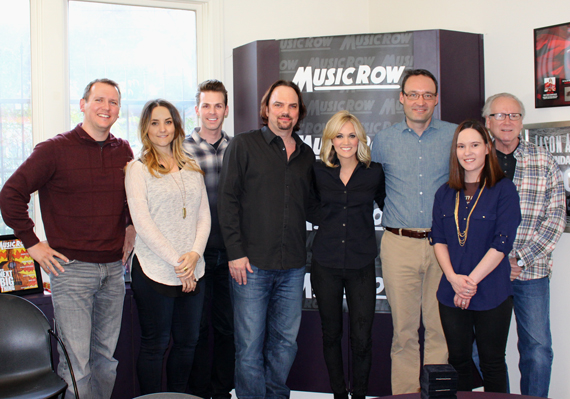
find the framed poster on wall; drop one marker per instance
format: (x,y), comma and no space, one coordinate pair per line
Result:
(552,66)
(555,138)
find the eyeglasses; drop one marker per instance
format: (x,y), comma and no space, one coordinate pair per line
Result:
(415,96)
(502,117)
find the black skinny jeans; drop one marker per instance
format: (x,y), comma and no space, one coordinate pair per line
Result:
(490,328)
(160,317)
(215,378)
(360,286)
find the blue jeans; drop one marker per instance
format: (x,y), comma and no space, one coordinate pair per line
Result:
(532,312)
(159,317)
(88,305)
(267,316)
(215,379)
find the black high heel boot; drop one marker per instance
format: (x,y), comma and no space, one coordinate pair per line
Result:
(343,395)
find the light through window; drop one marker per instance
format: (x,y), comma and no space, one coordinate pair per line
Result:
(150,52)
(16,141)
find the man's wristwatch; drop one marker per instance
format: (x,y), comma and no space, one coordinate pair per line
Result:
(520,262)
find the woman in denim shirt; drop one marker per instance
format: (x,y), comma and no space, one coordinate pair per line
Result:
(475,218)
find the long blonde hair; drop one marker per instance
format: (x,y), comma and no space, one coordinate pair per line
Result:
(149,156)
(328,153)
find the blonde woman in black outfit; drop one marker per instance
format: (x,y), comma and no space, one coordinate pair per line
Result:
(344,249)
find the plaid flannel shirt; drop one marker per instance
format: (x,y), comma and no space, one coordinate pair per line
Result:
(543,207)
(210,160)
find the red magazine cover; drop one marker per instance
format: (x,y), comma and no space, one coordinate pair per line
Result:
(18,271)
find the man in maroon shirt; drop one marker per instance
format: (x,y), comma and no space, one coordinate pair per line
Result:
(80,181)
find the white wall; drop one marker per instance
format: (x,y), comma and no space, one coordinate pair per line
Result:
(507,26)
(246,21)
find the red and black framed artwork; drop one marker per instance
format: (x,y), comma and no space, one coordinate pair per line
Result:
(552,66)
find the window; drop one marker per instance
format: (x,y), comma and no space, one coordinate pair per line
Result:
(16,140)
(149,51)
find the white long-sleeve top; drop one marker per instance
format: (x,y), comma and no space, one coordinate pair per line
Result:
(163,235)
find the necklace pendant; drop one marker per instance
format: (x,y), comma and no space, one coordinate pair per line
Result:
(184,213)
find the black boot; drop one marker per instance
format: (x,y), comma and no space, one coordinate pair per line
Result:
(343,395)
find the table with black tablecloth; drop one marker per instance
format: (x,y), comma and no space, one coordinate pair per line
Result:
(466,395)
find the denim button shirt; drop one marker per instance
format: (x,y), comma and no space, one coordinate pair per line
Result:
(493,224)
(415,167)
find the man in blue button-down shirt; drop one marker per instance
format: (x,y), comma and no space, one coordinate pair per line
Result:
(415,157)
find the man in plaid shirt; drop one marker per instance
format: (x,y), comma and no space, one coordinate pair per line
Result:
(543,207)
(207,145)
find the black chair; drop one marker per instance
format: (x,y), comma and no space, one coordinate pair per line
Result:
(26,364)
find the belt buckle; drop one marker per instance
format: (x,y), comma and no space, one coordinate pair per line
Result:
(424,233)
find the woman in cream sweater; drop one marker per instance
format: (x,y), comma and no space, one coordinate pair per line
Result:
(169,208)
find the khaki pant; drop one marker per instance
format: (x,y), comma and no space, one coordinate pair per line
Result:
(411,276)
